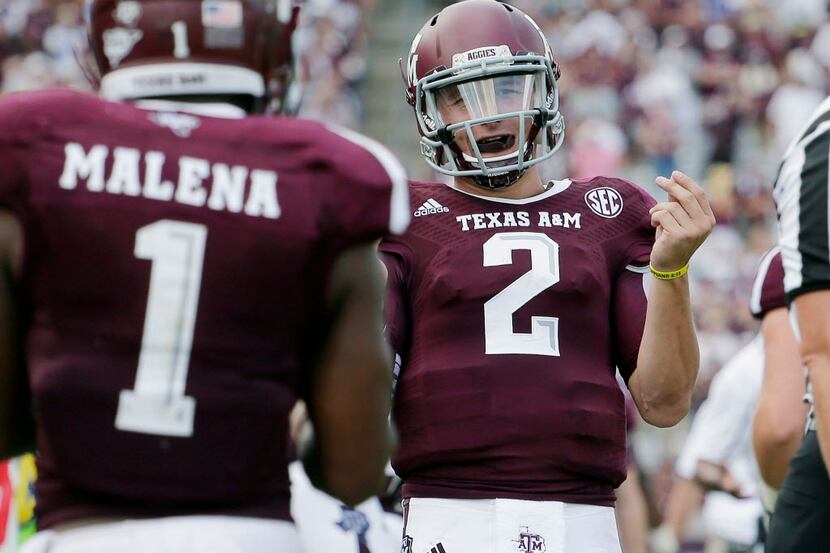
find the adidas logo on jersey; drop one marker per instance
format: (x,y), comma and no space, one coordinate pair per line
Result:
(430,207)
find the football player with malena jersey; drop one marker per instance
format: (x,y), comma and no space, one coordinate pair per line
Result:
(511,301)
(182,272)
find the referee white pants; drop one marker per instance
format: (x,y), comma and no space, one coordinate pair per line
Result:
(507,526)
(190,534)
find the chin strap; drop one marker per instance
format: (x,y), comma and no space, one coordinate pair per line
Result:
(498,182)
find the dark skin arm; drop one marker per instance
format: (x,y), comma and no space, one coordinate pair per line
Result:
(349,396)
(16,422)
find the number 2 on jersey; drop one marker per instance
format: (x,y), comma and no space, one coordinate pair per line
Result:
(157,403)
(499,337)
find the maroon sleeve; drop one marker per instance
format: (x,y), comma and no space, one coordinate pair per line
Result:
(629,234)
(396,308)
(369,197)
(629,319)
(641,236)
(13,140)
(768,288)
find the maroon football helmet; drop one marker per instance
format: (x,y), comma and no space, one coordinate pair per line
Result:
(487,63)
(161,48)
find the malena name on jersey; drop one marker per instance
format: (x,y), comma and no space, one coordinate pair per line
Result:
(220,187)
(507,219)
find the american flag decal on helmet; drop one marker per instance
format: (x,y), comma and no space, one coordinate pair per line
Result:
(224,14)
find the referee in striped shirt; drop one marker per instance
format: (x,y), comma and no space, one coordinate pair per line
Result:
(801,523)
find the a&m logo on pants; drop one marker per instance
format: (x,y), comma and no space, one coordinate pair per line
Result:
(529,542)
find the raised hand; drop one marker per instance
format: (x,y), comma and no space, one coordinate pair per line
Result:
(683,222)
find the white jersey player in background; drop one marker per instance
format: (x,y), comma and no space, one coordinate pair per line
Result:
(717,457)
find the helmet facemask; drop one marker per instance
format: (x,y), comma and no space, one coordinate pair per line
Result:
(491,119)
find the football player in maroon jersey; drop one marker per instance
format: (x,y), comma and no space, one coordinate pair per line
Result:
(511,301)
(179,271)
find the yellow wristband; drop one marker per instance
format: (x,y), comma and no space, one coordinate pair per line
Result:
(669,275)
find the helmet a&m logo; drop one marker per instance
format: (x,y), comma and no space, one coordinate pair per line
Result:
(528,542)
(119,42)
(127,13)
(605,202)
(181,124)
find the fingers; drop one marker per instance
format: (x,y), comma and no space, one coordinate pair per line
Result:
(690,185)
(677,211)
(682,195)
(666,220)
(683,221)
(685,191)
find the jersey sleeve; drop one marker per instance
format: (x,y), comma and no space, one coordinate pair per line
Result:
(369,197)
(13,143)
(637,239)
(628,316)
(395,255)
(768,287)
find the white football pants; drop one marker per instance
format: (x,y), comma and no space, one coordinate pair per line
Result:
(191,534)
(508,526)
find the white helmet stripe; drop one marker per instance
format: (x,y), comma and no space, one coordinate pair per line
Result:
(173,79)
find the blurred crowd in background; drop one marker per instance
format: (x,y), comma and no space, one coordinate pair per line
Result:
(716,88)
(41,42)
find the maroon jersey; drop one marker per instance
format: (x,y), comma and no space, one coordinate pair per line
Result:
(509,318)
(768,288)
(173,264)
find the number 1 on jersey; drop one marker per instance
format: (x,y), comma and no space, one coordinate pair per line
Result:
(181,48)
(157,403)
(499,337)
